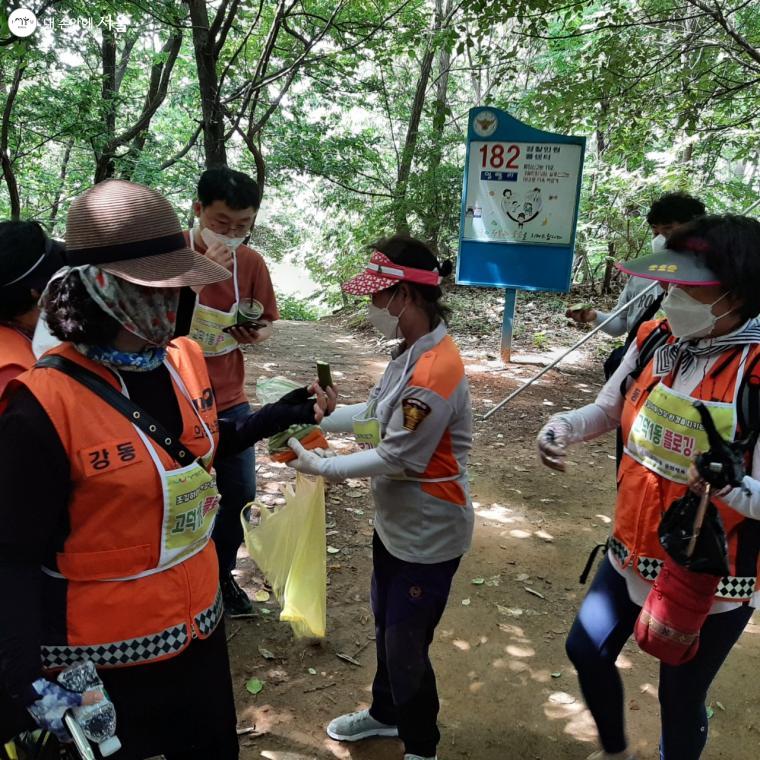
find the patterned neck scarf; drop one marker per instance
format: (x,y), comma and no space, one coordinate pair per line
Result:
(139,361)
(667,357)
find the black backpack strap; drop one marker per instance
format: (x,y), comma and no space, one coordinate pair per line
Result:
(137,416)
(658,337)
(748,400)
(648,315)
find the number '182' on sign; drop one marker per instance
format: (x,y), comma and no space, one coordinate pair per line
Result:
(521,192)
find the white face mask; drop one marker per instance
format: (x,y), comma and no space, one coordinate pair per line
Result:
(689,318)
(658,243)
(43,339)
(383,321)
(210,237)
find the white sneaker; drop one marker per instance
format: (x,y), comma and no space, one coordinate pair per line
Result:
(407,756)
(602,755)
(359,725)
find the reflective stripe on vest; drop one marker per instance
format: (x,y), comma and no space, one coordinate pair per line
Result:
(139,650)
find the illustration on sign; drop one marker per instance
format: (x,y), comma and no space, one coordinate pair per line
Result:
(522,192)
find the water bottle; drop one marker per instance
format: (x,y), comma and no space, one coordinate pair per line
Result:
(97,721)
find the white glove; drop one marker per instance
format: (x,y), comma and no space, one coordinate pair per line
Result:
(308,462)
(552,442)
(362,464)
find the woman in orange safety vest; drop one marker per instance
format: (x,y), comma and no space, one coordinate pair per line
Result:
(709,349)
(109,499)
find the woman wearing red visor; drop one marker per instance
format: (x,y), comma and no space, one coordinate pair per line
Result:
(415,432)
(708,349)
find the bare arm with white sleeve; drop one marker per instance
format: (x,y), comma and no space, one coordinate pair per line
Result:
(619,325)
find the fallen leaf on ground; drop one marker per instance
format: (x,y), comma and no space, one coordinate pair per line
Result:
(261,596)
(254,686)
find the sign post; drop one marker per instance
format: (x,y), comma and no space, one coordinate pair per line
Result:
(519,209)
(507,323)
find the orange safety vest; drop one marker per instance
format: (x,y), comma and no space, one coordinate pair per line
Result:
(15,349)
(115,516)
(644,496)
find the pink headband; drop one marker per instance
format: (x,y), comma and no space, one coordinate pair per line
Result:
(380,264)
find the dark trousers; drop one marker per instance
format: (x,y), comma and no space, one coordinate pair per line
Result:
(236,480)
(604,623)
(182,707)
(408,600)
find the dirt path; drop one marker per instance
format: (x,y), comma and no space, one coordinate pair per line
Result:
(507,689)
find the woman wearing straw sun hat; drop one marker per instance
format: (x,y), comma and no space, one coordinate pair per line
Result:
(416,430)
(106,448)
(708,350)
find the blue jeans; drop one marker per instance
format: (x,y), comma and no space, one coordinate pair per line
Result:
(604,623)
(236,479)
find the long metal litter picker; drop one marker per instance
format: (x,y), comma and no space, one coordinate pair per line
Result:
(572,348)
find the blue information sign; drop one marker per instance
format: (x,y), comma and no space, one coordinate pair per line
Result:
(519,204)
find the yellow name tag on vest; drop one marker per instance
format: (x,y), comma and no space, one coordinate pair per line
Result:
(207,328)
(191,506)
(667,433)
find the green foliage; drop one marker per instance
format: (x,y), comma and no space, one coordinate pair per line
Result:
(296,309)
(665,91)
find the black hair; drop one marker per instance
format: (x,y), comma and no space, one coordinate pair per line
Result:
(22,244)
(235,188)
(729,245)
(410,252)
(675,208)
(71,314)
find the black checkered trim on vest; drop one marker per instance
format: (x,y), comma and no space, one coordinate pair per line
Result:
(619,552)
(209,619)
(131,651)
(142,649)
(736,587)
(649,568)
(730,587)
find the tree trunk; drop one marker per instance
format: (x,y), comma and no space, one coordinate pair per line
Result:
(61,184)
(205,61)
(104,156)
(412,132)
(433,219)
(608,269)
(5,160)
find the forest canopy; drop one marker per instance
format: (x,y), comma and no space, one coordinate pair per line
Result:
(352,114)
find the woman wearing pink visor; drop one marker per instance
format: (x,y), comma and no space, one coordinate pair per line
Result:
(415,431)
(708,349)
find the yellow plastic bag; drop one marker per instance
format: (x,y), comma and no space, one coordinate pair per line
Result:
(289,545)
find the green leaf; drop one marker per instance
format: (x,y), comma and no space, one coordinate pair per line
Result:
(254,686)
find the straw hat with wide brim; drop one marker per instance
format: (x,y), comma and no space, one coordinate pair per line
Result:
(133,232)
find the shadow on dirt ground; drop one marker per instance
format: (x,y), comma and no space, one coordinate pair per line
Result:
(507,689)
